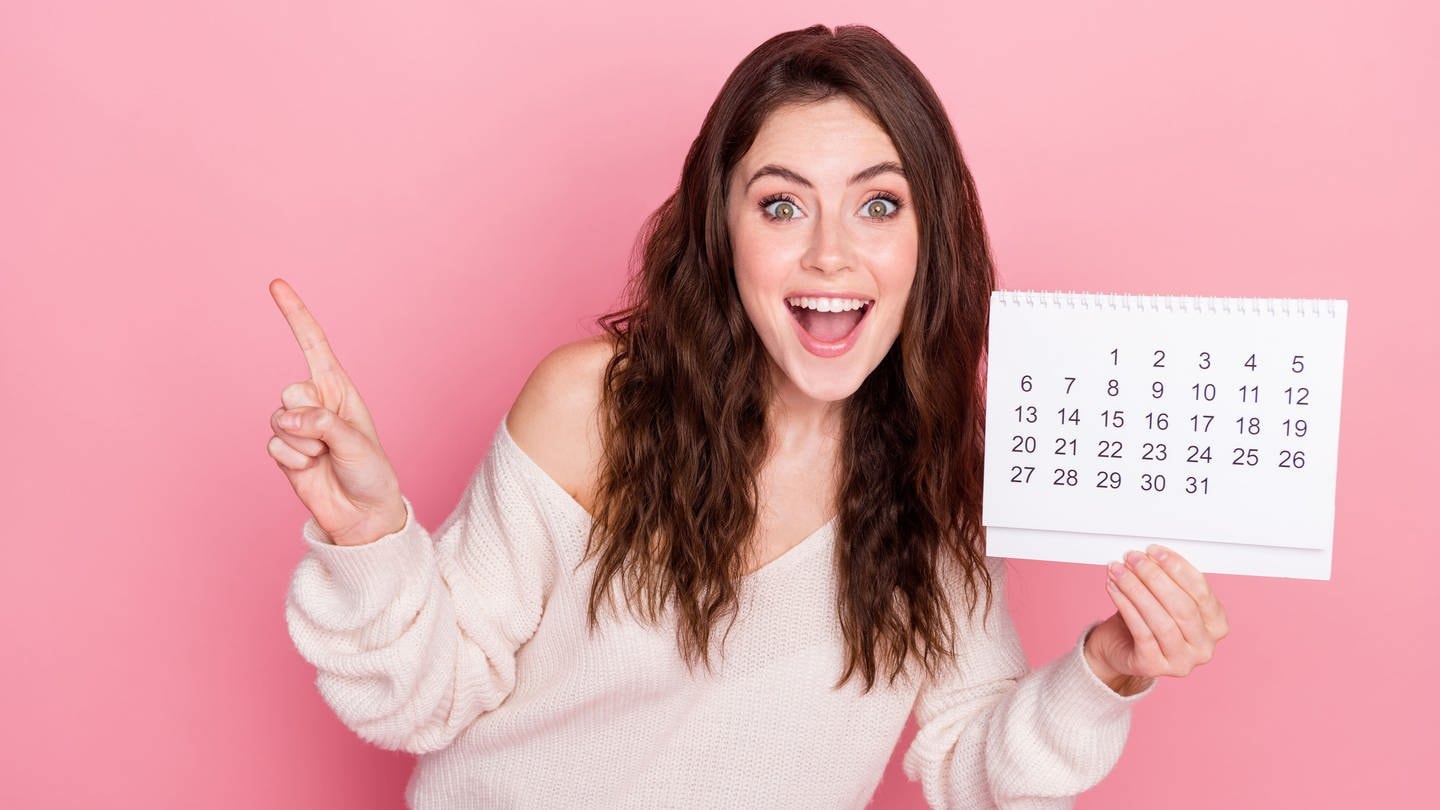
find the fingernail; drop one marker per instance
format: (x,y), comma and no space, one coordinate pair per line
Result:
(1158,552)
(1134,558)
(1116,570)
(289,420)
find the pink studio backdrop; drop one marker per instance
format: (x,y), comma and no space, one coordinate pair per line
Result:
(455,189)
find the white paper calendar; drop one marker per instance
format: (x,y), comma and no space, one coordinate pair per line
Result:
(1209,425)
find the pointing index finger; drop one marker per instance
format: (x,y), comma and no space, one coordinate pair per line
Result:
(308,333)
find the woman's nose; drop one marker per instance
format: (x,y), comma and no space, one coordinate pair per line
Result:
(829,248)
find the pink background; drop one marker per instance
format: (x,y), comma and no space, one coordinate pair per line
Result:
(455,190)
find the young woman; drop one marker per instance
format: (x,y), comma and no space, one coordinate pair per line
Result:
(716,556)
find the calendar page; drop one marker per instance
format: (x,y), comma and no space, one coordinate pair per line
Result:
(1210,425)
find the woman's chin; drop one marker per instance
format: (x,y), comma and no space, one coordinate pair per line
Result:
(801,376)
(823,385)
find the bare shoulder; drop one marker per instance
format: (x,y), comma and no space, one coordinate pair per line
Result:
(556,417)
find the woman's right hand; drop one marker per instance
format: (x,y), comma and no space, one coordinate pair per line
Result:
(325,441)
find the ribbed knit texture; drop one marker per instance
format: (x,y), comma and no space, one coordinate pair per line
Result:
(469,647)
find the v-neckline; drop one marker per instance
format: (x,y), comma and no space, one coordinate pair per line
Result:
(795,554)
(787,559)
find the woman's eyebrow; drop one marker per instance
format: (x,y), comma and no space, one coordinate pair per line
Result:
(860,176)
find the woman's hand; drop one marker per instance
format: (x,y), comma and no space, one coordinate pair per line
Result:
(1167,621)
(325,441)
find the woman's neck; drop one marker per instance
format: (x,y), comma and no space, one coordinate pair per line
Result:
(796,421)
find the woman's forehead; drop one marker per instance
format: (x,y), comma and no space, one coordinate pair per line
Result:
(823,143)
(794,131)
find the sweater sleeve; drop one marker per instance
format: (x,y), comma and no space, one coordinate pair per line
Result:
(993,734)
(415,635)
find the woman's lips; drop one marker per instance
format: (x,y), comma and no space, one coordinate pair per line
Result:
(828,316)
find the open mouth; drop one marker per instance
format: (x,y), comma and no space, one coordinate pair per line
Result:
(828,320)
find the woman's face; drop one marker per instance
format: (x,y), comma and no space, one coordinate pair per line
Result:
(824,240)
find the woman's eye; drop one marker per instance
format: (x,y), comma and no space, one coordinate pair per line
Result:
(780,209)
(880,208)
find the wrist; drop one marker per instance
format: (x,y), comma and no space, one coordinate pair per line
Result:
(392,521)
(1119,682)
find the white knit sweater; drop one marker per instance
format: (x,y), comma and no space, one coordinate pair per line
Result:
(470,648)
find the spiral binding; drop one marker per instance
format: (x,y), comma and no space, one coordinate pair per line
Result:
(1177,304)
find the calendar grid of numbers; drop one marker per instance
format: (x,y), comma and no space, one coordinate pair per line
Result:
(1147,418)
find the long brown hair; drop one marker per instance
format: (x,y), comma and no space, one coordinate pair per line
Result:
(685,393)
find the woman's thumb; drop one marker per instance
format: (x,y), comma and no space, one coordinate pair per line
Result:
(300,395)
(345,442)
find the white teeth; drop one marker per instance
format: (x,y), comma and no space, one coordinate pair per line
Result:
(828,304)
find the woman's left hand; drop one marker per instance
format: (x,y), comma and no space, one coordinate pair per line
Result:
(1167,621)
